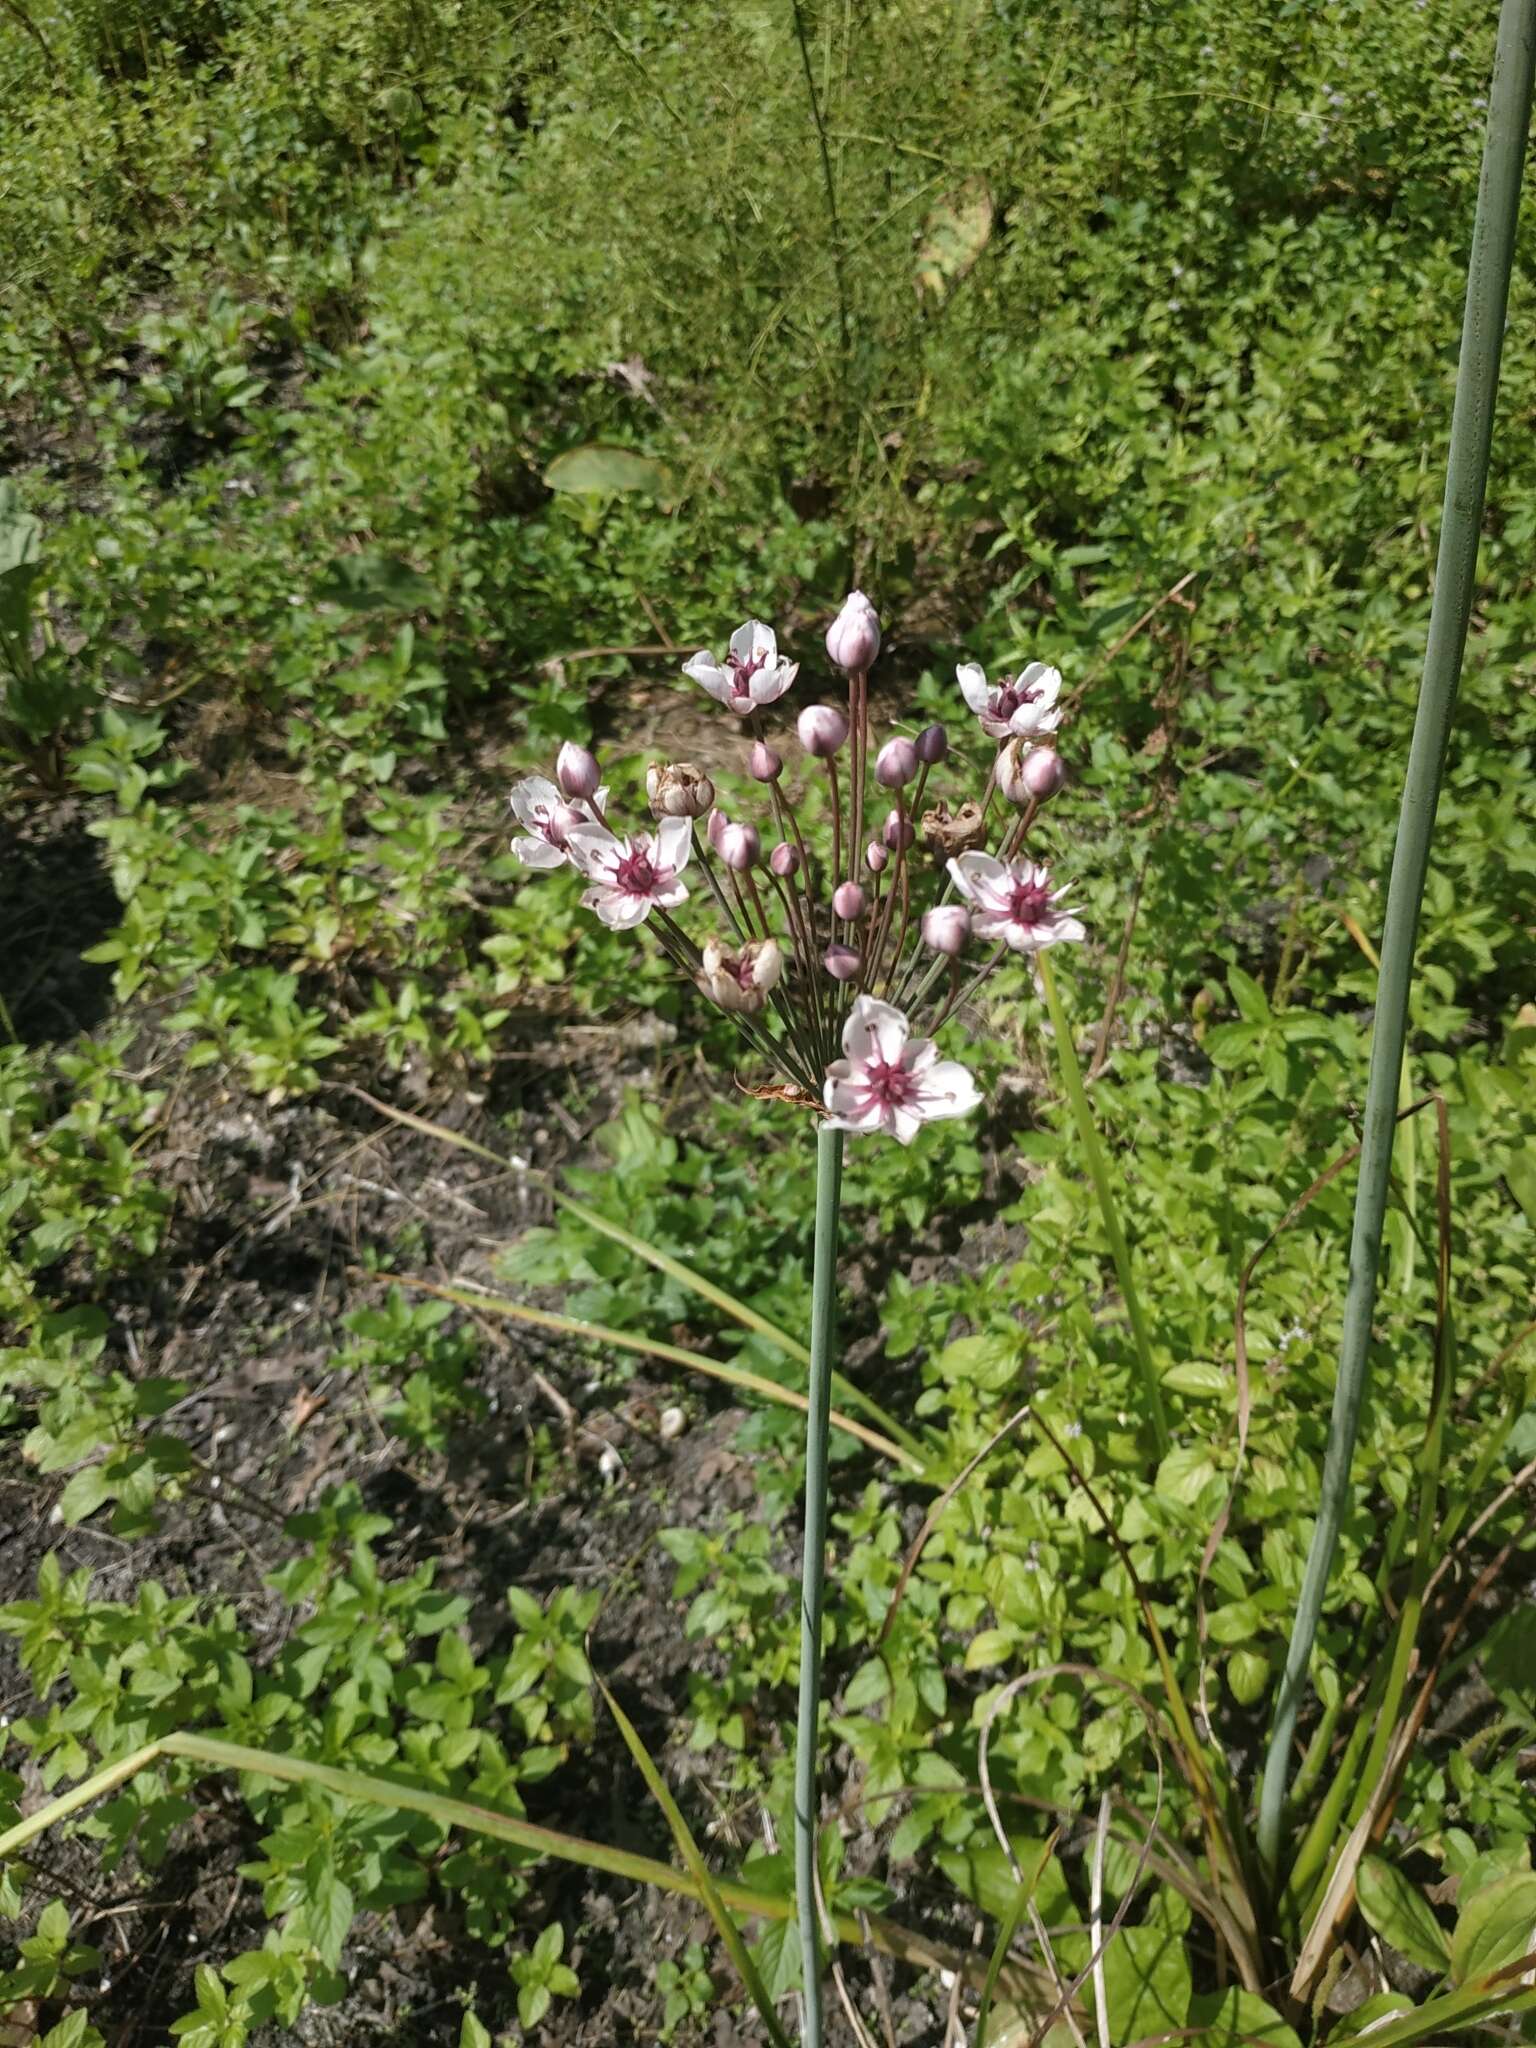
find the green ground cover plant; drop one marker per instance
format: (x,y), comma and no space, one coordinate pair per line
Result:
(393,393)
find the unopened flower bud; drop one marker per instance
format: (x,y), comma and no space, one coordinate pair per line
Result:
(841,962)
(849,900)
(932,745)
(784,860)
(717,824)
(576,771)
(875,856)
(897,831)
(739,847)
(1044,773)
(822,729)
(895,763)
(764,763)
(676,789)
(853,638)
(946,928)
(1027,774)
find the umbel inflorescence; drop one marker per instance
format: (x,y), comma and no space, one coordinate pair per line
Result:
(866,935)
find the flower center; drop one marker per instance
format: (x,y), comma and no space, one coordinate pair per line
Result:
(890,1086)
(1029,903)
(1009,699)
(635,873)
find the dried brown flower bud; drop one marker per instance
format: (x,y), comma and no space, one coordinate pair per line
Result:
(741,980)
(677,789)
(945,835)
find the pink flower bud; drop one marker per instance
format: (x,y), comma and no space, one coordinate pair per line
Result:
(576,771)
(1043,773)
(841,962)
(822,729)
(739,847)
(932,745)
(764,763)
(946,928)
(897,832)
(875,856)
(853,638)
(1028,774)
(784,860)
(676,789)
(717,824)
(895,764)
(849,900)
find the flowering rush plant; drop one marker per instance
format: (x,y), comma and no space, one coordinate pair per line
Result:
(840,953)
(840,965)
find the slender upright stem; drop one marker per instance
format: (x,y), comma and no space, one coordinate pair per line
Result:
(829,1176)
(1466,481)
(1098,1173)
(834,220)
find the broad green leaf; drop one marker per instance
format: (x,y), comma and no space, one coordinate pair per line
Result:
(1400,1913)
(1199,1377)
(1496,1925)
(600,467)
(1146,1983)
(1235,2018)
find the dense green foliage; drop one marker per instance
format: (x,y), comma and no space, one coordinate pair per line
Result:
(1114,303)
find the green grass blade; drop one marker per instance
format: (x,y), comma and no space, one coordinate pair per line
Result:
(654,1347)
(1098,1173)
(685,1276)
(698,1870)
(908,1947)
(1466,482)
(1018,1906)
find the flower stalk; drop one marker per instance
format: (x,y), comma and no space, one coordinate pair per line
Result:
(804,958)
(1466,482)
(829,1177)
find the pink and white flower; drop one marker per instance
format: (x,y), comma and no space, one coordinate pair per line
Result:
(889,1081)
(1014,707)
(1013,901)
(632,877)
(548,819)
(752,673)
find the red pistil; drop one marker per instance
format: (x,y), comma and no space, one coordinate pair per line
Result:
(635,874)
(891,1086)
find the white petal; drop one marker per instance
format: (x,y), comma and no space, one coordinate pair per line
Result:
(619,910)
(669,897)
(538,853)
(904,1125)
(707,672)
(948,1090)
(1068,929)
(875,1030)
(674,842)
(769,684)
(1044,682)
(972,871)
(995,728)
(919,1056)
(593,850)
(974,687)
(532,797)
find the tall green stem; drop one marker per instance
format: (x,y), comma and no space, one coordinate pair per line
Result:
(1477,380)
(1098,1173)
(829,1179)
